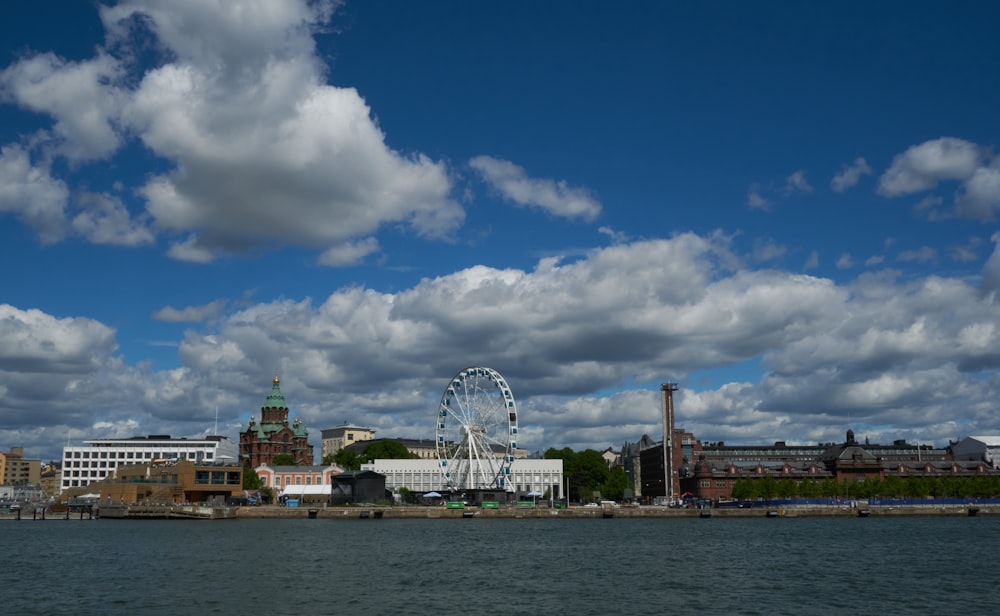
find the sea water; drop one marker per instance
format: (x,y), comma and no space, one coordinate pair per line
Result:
(501,566)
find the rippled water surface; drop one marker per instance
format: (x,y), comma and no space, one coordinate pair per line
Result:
(537,566)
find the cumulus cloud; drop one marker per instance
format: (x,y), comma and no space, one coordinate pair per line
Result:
(106,220)
(880,347)
(922,166)
(32,194)
(980,194)
(850,175)
(259,149)
(80,97)
(556,198)
(38,342)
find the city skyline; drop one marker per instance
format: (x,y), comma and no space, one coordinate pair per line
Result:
(787,209)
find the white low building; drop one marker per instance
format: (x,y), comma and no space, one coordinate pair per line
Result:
(95,460)
(526,476)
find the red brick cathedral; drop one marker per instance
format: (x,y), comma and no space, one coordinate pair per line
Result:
(260,442)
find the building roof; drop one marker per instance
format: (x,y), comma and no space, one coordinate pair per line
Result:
(303,490)
(285,468)
(989,441)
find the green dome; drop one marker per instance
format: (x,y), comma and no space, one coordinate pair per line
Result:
(275,399)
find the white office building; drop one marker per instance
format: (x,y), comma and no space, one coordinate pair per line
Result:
(526,475)
(95,460)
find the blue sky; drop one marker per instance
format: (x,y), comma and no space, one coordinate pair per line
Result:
(787,208)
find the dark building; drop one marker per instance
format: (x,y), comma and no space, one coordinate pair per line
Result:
(273,435)
(357,487)
(652,475)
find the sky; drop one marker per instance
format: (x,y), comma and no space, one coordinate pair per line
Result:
(788,209)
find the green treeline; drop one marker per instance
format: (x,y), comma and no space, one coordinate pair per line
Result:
(588,475)
(891,487)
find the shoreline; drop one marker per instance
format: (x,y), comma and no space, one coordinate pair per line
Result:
(419,512)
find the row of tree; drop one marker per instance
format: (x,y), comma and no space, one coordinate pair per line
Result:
(767,488)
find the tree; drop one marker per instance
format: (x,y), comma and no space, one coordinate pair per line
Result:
(743,489)
(283,459)
(386,450)
(809,488)
(328,459)
(614,487)
(786,488)
(767,487)
(251,480)
(347,459)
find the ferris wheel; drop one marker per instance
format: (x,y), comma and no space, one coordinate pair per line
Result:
(476,431)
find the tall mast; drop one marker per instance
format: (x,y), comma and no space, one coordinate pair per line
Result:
(667,390)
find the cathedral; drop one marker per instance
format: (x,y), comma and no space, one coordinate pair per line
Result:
(273,435)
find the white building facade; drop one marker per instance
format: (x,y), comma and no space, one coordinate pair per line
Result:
(526,476)
(95,460)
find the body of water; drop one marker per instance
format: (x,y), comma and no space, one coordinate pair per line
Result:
(482,566)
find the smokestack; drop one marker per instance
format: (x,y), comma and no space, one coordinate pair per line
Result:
(667,390)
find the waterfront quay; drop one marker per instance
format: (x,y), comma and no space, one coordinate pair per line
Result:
(419,512)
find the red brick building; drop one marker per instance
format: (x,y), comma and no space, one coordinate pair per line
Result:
(273,435)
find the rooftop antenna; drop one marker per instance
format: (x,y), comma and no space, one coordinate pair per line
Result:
(216,433)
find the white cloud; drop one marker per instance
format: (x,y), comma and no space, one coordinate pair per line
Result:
(980,194)
(616,237)
(37,198)
(80,97)
(557,198)
(190,314)
(191,251)
(922,166)
(850,175)
(349,253)
(755,200)
(105,220)
(38,342)
(263,152)
(797,183)
(880,347)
